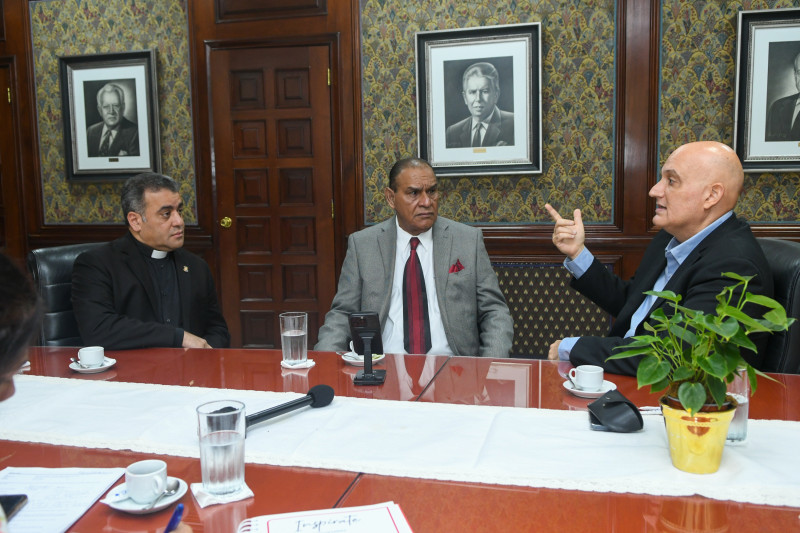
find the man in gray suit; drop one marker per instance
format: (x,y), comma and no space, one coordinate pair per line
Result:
(488,125)
(464,311)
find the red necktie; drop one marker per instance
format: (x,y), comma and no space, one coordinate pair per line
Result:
(417,329)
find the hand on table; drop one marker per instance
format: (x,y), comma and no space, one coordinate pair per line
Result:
(193,341)
(568,235)
(552,355)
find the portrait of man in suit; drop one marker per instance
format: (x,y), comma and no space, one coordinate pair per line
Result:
(783,123)
(114,135)
(487,125)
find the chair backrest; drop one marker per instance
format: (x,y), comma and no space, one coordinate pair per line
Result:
(545,308)
(51,269)
(783,349)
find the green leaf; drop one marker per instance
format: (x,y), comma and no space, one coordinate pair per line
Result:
(725,328)
(666,295)
(738,277)
(683,334)
(630,353)
(778,317)
(692,396)
(741,339)
(746,320)
(652,370)
(759,299)
(682,373)
(661,385)
(717,389)
(714,365)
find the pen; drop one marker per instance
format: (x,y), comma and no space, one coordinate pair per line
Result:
(175,519)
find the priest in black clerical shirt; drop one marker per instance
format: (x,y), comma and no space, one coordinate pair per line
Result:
(143,290)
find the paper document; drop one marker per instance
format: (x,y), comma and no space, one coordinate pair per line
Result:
(57,497)
(379,518)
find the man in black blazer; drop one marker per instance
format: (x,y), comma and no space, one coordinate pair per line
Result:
(783,119)
(700,238)
(115,135)
(488,125)
(142,290)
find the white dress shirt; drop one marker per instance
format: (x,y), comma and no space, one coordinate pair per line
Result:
(393,335)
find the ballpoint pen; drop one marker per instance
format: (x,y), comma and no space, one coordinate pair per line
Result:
(175,519)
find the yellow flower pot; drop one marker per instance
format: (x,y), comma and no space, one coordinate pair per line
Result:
(696,442)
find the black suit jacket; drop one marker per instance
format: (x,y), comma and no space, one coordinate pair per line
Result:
(115,300)
(499,133)
(729,248)
(779,120)
(125,143)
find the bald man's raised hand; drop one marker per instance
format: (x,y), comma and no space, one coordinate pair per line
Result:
(568,235)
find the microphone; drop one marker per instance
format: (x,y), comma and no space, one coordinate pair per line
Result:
(318,396)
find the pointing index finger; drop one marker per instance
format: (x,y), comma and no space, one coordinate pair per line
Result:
(552,212)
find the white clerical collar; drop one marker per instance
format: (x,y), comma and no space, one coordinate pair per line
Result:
(158,254)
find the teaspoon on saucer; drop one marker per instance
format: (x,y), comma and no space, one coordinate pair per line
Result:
(172,487)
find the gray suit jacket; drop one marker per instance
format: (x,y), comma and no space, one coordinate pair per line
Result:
(474,312)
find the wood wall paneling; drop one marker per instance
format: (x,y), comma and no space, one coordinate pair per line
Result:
(242,10)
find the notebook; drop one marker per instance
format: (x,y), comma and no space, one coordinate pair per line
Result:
(378,518)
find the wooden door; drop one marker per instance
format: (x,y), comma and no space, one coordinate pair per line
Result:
(11,226)
(271,111)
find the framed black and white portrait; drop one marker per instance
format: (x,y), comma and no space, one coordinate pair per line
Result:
(479,100)
(110,110)
(767,115)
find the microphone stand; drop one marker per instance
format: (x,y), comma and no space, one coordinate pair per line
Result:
(369,376)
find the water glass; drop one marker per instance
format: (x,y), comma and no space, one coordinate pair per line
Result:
(221,429)
(294,337)
(739,389)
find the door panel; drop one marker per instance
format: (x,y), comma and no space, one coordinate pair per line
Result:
(12,235)
(272,157)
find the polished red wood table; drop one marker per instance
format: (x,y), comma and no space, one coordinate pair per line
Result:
(455,507)
(438,506)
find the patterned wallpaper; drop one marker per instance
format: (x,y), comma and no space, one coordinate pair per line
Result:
(82,27)
(698,68)
(578,68)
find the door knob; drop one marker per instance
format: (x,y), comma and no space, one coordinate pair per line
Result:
(225,222)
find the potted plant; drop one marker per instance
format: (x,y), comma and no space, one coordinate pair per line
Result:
(693,356)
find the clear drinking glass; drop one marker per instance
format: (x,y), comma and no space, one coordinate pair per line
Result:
(221,429)
(294,337)
(739,388)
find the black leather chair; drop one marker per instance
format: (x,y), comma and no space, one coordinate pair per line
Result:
(51,269)
(783,349)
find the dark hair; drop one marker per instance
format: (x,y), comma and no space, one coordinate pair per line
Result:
(403,164)
(20,315)
(133,191)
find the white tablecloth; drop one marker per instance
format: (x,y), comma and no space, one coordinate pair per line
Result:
(503,445)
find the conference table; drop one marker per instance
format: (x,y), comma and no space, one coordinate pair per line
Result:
(429,505)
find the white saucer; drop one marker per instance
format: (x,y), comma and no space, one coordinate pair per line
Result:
(358,360)
(607,386)
(107,363)
(129,506)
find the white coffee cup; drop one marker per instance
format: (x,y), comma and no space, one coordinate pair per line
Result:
(587,377)
(145,480)
(91,356)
